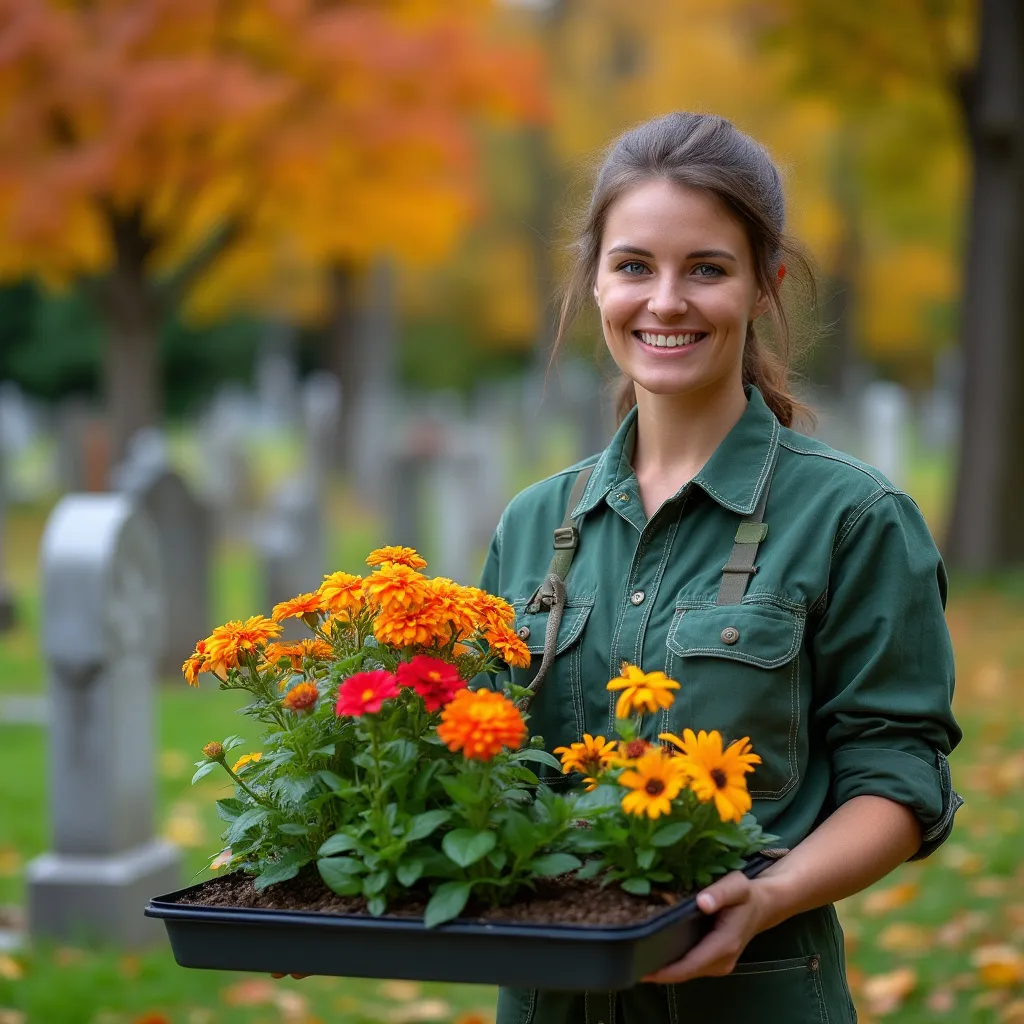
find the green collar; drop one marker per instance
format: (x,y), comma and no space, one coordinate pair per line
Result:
(734,476)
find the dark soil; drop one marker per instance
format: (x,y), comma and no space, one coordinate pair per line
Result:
(555,901)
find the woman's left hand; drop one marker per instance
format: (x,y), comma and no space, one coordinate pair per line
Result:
(741,905)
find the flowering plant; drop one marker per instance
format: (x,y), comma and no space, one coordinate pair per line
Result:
(385,770)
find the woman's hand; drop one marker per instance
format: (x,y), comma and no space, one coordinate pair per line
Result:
(741,905)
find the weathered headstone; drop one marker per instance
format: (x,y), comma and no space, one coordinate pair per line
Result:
(277,377)
(228,484)
(884,414)
(102,609)
(83,447)
(289,536)
(184,527)
(6,594)
(321,416)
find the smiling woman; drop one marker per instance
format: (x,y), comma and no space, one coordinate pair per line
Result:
(821,640)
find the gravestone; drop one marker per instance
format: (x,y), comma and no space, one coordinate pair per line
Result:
(885,411)
(321,417)
(6,595)
(289,536)
(184,527)
(102,609)
(277,377)
(228,485)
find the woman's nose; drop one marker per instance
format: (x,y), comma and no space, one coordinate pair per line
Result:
(667,299)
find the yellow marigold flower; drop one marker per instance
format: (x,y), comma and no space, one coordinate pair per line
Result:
(641,691)
(714,773)
(396,556)
(480,723)
(342,594)
(296,650)
(591,758)
(228,644)
(192,667)
(246,759)
(410,627)
(301,697)
(396,587)
(305,606)
(655,780)
(213,750)
(509,647)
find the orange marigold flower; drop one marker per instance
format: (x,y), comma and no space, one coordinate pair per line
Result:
(642,691)
(396,587)
(342,594)
(410,627)
(434,680)
(297,650)
(655,781)
(228,644)
(246,759)
(213,750)
(192,667)
(716,774)
(365,692)
(480,723)
(489,612)
(304,606)
(396,556)
(448,599)
(509,647)
(301,697)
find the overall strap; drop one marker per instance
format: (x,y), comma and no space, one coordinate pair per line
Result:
(752,530)
(550,595)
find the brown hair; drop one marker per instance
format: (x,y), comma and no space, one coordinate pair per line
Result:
(708,153)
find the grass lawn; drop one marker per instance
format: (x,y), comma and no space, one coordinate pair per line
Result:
(938,940)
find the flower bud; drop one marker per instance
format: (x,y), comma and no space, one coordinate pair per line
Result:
(214,751)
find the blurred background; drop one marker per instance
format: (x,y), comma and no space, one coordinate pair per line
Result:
(284,274)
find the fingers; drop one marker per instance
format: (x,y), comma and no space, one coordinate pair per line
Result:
(729,890)
(714,956)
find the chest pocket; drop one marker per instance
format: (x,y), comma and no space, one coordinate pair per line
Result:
(739,672)
(557,711)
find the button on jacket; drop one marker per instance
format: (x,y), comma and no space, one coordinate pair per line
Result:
(837,664)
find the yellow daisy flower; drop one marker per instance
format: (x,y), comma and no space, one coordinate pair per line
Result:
(641,691)
(655,780)
(590,757)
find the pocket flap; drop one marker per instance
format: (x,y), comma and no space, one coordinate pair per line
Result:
(759,634)
(574,618)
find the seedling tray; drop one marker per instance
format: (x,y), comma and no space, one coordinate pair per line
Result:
(570,957)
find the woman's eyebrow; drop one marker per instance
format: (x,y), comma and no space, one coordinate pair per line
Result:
(697,254)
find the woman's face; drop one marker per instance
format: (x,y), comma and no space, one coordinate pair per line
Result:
(676,289)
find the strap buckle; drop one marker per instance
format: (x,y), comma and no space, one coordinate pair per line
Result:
(566,537)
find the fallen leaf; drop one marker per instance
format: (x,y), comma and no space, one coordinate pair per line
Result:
(960,859)
(12,1017)
(293,1005)
(941,1000)
(990,680)
(881,901)
(999,966)
(200,1015)
(254,992)
(10,862)
(10,969)
(475,1017)
(885,993)
(1013,1013)
(152,1018)
(953,934)
(989,1000)
(423,1010)
(990,887)
(904,937)
(400,991)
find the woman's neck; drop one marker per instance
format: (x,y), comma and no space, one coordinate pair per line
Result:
(677,434)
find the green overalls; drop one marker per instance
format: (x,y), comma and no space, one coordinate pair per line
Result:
(831,653)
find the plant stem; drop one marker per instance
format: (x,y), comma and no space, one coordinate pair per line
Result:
(242,785)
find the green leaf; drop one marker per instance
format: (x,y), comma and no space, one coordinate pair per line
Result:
(519,834)
(338,843)
(287,867)
(290,828)
(466,846)
(603,798)
(461,792)
(229,809)
(637,886)
(541,756)
(497,859)
(408,873)
(423,824)
(327,751)
(204,770)
(344,883)
(660,876)
(375,883)
(590,869)
(671,833)
(645,857)
(331,780)
(552,864)
(377,905)
(231,742)
(244,822)
(446,903)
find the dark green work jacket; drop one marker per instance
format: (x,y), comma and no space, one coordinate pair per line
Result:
(836,663)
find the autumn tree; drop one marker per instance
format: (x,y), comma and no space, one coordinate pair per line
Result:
(221,154)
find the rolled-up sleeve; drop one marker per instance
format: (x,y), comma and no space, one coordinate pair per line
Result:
(883,665)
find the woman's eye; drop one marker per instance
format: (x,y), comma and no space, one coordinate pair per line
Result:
(707,270)
(633,267)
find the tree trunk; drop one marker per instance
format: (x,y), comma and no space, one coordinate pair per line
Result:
(985,531)
(133,318)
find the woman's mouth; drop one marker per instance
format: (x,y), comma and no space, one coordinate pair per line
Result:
(680,340)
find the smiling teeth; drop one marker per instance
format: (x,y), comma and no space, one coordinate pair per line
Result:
(669,340)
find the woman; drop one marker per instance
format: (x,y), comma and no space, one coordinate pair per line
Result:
(793,591)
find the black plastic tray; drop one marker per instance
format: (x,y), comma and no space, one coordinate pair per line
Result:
(573,957)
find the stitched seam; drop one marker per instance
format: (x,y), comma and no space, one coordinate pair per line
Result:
(750,659)
(854,518)
(670,664)
(673,1011)
(613,654)
(576,686)
(835,456)
(749,507)
(563,644)
(659,575)
(772,970)
(598,472)
(822,1008)
(774,599)
(794,721)
(531,1008)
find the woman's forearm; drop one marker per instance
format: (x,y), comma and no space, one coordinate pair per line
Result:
(859,843)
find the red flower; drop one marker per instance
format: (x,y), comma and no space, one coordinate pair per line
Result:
(433,679)
(365,692)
